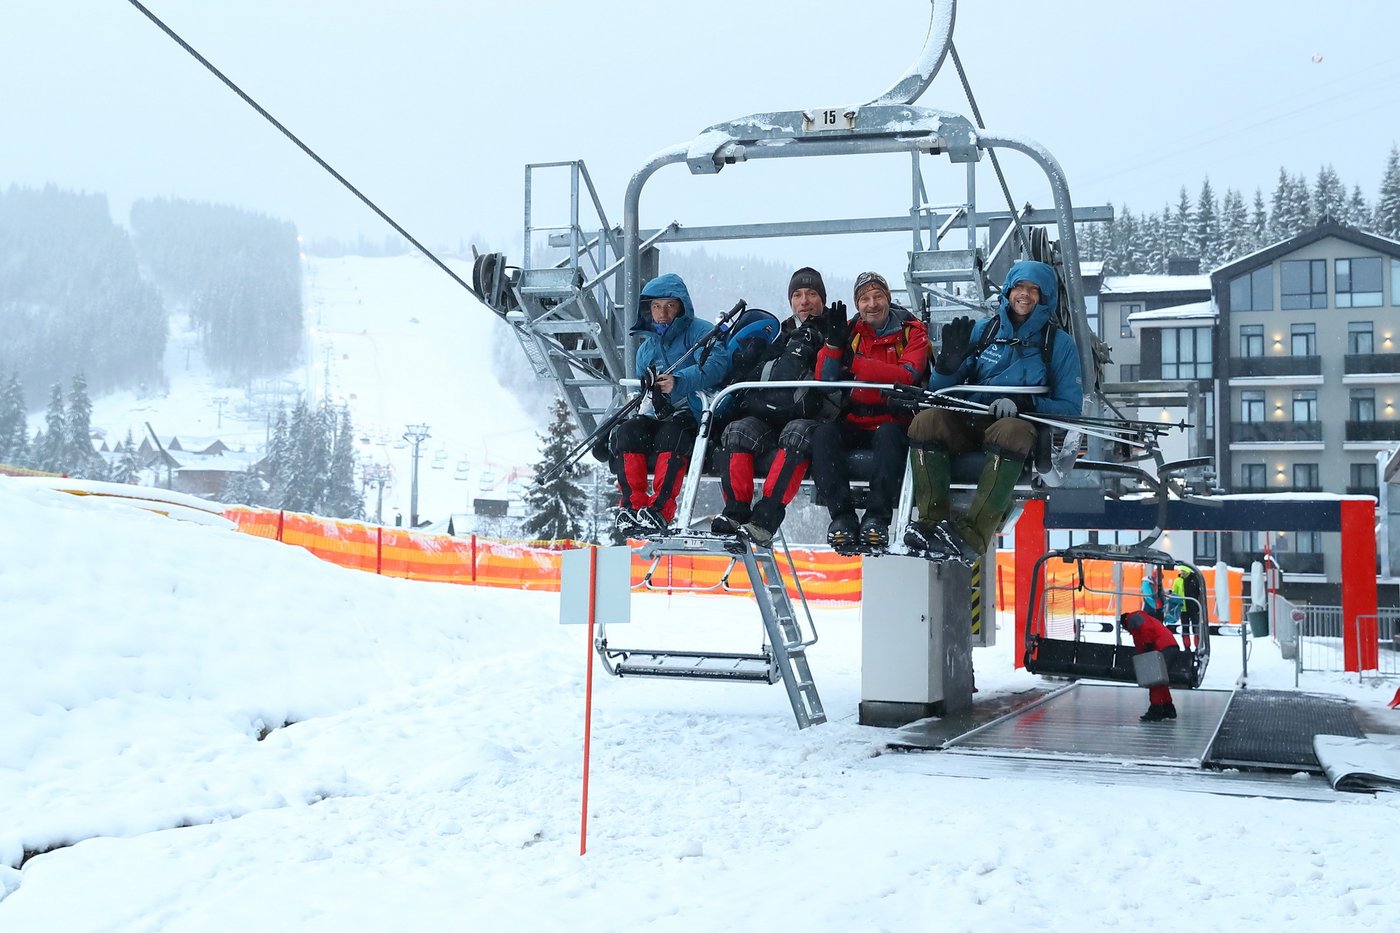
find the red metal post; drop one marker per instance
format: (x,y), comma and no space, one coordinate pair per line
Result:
(1360,647)
(474,558)
(1030,546)
(379,550)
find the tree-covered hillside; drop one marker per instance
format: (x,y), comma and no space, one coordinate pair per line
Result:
(238,274)
(71,297)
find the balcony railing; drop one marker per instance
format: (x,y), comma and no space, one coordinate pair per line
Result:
(1275,431)
(1368,490)
(1278,487)
(1373,430)
(1370,363)
(1276,366)
(1289,561)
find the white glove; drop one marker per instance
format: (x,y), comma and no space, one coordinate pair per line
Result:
(1002,408)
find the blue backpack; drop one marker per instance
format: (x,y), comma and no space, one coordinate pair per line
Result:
(748,338)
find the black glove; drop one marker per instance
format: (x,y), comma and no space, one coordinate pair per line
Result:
(955,345)
(602,452)
(747,358)
(648,378)
(837,325)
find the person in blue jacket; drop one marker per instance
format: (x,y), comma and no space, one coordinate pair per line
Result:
(1023,348)
(668,330)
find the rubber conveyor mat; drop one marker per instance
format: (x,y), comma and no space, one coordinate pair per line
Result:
(1274,729)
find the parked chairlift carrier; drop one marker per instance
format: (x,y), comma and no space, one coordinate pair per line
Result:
(572,317)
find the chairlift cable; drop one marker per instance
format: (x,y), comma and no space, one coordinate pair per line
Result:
(301,145)
(996,164)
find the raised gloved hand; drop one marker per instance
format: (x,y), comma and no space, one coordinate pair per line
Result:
(1002,408)
(955,345)
(837,325)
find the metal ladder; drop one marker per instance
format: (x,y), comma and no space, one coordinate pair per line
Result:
(784,652)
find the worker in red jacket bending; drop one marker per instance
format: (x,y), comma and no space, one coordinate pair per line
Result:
(1149,634)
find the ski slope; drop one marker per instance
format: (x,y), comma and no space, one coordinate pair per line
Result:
(397,341)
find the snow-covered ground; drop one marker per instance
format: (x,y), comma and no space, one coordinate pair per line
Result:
(430,776)
(397,341)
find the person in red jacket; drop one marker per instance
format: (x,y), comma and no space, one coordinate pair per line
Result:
(885,343)
(1149,634)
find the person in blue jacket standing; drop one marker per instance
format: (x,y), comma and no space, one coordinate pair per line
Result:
(668,330)
(1019,346)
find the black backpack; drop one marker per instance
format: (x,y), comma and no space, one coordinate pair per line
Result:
(797,359)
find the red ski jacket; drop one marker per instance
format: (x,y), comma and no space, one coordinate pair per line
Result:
(1149,634)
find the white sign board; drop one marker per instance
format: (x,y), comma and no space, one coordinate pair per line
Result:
(612,589)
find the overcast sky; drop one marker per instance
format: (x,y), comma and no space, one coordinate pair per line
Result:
(433,107)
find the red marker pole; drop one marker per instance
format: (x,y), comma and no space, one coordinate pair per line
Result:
(588,693)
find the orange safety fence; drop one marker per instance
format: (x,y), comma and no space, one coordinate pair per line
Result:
(528,565)
(533,565)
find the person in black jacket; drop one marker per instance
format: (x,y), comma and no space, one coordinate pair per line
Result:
(776,419)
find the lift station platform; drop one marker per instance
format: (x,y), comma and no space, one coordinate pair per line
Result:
(1247,742)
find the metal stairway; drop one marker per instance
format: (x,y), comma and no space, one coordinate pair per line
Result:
(784,652)
(568,324)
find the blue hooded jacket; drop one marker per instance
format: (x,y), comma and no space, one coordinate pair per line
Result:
(663,350)
(1015,358)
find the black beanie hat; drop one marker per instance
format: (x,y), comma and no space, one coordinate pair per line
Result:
(807,277)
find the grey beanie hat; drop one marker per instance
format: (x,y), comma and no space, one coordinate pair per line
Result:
(807,277)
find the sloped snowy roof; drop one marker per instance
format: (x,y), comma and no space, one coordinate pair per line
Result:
(1137,284)
(1196,309)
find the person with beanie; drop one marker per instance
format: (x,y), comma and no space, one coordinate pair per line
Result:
(887,344)
(780,420)
(1149,634)
(1019,346)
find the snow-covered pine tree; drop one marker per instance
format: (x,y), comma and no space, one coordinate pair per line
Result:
(306,466)
(277,461)
(343,499)
(1183,220)
(83,461)
(1205,242)
(1153,252)
(1300,206)
(1234,229)
(1329,195)
(556,503)
(1258,222)
(1279,209)
(127,468)
(49,452)
(14,424)
(1357,213)
(245,487)
(1125,245)
(1386,220)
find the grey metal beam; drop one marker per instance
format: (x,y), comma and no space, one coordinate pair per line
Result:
(899,224)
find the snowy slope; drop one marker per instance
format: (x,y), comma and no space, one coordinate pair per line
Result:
(431,777)
(396,340)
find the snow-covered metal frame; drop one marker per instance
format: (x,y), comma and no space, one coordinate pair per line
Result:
(889,123)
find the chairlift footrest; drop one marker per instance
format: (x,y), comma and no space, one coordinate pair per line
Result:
(696,665)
